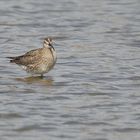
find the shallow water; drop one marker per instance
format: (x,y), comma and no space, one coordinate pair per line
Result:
(93,92)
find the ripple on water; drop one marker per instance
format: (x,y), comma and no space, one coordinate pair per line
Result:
(93,91)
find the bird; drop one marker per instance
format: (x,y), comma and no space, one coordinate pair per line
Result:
(37,61)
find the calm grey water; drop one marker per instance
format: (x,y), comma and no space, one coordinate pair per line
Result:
(93,93)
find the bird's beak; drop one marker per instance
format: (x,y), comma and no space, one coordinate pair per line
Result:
(51,45)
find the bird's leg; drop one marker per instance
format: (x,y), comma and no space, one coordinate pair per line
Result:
(41,75)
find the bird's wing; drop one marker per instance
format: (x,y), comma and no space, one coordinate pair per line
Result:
(28,58)
(33,52)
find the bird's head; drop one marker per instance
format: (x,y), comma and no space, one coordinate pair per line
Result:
(48,42)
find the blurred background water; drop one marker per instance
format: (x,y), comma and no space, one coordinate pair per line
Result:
(93,93)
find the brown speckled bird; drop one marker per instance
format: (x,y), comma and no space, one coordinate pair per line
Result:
(38,61)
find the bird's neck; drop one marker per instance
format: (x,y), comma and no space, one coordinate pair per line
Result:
(46,46)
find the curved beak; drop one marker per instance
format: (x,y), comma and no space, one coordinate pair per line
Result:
(51,45)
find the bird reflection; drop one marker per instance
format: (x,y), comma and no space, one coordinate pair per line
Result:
(37,79)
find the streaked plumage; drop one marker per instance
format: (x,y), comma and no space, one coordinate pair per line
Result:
(38,61)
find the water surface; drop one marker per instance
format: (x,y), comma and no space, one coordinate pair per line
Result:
(93,93)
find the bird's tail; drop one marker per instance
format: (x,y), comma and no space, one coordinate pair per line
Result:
(12,59)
